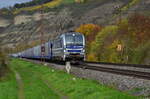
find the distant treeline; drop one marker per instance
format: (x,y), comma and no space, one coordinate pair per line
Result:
(31,3)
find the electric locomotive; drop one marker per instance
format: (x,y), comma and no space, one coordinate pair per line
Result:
(69,46)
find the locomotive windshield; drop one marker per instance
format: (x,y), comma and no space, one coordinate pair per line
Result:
(74,39)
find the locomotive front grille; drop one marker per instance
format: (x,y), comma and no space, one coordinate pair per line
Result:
(75,54)
(74,50)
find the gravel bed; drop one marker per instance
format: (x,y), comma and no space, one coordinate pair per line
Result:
(134,85)
(123,67)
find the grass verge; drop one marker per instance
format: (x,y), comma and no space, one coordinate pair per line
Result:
(8,86)
(34,87)
(68,85)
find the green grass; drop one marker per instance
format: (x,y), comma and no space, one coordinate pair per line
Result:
(8,87)
(34,87)
(34,75)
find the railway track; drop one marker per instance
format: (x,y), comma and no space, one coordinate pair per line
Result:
(117,64)
(111,69)
(132,73)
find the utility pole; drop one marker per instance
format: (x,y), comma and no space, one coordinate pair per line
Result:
(42,36)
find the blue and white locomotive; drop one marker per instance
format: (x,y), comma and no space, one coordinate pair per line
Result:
(67,46)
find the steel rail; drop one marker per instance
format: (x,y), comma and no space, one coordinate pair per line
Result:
(119,64)
(131,73)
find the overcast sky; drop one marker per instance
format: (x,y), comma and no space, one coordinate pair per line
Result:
(6,3)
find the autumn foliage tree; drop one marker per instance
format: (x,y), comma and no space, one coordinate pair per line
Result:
(134,31)
(101,46)
(131,33)
(139,27)
(89,30)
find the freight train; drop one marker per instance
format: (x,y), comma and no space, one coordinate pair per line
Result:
(66,47)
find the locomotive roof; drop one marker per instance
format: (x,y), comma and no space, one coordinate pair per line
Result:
(70,33)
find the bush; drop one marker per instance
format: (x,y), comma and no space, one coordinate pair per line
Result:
(91,57)
(135,34)
(139,28)
(89,30)
(3,62)
(102,42)
(141,53)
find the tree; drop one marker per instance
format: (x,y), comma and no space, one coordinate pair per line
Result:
(89,30)
(3,63)
(139,27)
(103,40)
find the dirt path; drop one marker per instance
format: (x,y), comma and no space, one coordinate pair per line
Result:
(20,85)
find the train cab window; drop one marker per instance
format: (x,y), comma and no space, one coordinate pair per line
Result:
(78,39)
(69,39)
(74,39)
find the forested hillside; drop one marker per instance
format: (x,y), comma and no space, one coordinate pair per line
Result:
(116,31)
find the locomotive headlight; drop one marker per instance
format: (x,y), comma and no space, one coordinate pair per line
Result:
(83,50)
(65,50)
